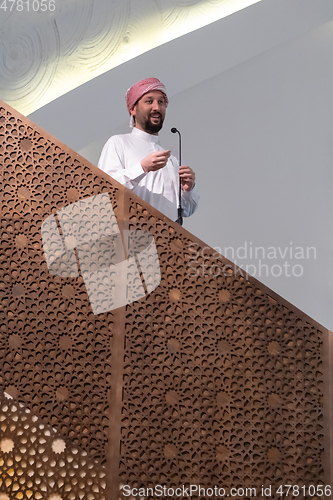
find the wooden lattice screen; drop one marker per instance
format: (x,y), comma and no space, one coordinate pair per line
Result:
(207,379)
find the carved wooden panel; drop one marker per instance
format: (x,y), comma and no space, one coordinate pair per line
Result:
(202,378)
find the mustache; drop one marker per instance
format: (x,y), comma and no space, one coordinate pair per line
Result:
(155,114)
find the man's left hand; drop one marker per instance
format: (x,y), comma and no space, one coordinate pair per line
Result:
(187,177)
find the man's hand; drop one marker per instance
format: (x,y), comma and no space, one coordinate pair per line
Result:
(187,178)
(155,161)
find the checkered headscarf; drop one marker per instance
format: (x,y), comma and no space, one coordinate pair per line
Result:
(141,88)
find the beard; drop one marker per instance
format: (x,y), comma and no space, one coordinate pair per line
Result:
(152,128)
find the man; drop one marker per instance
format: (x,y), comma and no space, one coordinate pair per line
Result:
(137,160)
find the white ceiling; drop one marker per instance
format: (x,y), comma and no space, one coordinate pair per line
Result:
(43,55)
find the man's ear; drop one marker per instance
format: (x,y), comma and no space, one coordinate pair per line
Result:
(133,113)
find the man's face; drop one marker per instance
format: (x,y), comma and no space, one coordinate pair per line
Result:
(149,112)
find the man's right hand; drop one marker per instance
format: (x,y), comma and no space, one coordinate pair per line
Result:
(155,161)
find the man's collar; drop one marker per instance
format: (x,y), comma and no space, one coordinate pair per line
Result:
(144,135)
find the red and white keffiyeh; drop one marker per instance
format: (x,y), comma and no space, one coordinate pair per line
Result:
(141,88)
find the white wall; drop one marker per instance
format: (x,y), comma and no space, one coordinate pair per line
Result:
(252,96)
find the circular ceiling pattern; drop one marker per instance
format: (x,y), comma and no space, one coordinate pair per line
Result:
(49,47)
(23,57)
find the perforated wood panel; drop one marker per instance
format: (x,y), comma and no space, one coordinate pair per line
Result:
(200,380)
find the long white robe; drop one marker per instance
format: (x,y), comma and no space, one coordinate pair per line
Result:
(121,157)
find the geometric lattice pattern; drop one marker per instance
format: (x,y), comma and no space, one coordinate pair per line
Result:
(36,463)
(224,385)
(210,379)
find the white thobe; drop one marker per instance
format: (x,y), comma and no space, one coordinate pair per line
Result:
(121,157)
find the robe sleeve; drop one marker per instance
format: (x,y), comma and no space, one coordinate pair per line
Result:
(112,161)
(190,201)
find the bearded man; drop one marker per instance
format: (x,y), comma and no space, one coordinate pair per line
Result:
(137,160)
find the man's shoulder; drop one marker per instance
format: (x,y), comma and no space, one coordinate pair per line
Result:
(117,141)
(119,137)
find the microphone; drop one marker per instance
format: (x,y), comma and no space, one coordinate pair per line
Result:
(180,218)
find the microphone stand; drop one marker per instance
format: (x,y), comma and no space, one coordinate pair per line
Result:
(180,218)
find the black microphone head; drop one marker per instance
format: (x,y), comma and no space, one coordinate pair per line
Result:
(174,130)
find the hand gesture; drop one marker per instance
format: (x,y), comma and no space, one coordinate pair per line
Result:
(187,178)
(155,161)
